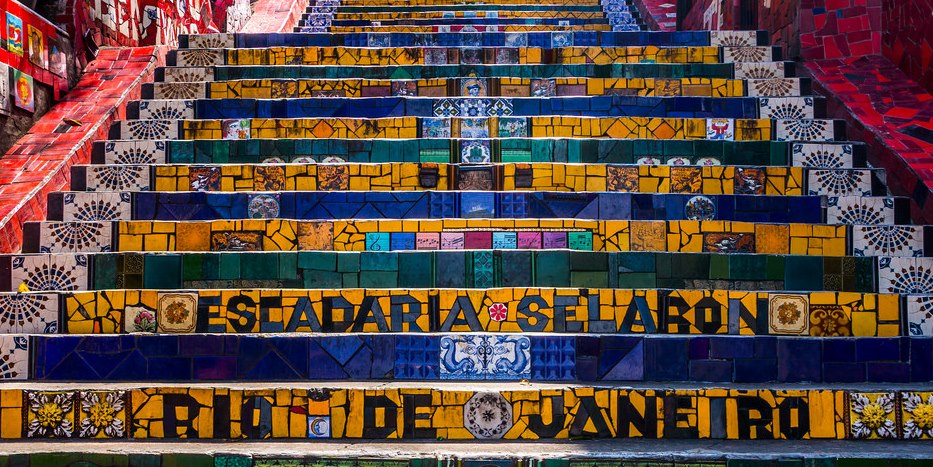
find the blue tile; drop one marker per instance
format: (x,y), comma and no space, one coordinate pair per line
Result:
(876,349)
(799,360)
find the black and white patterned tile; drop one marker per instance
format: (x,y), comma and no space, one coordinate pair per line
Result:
(747,54)
(135,152)
(166,109)
(733,38)
(839,182)
(149,129)
(822,155)
(887,240)
(117,178)
(88,206)
(782,108)
(860,210)
(919,315)
(187,74)
(49,272)
(28,313)
(905,275)
(212,41)
(773,87)
(200,57)
(180,90)
(762,70)
(14,357)
(805,129)
(75,237)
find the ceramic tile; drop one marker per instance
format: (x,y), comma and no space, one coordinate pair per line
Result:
(44,272)
(14,357)
(96,207)
(746,54)
(733,38)
(834,156)
(149,129)
(135,152)
(212,41)
(29,313)
(855,210)
(759,71)
(905,275)
(177,312)
(773,87)
(71,237)
(180,89)
(780,108)
(806,129)
(164,109)
(839,182)
(117,178)
(199,57)
(887,240)
(919,315)
(188,74)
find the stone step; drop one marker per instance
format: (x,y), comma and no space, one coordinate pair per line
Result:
(465,269)
(660,128)
(512,150)
(476,234)
(348,56)
(450,411)
(492,39)
(410,106)
(774,79)
(566,358)
(541,311)
(322,205)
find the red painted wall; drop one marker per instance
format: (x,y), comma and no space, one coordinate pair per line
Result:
(907,39)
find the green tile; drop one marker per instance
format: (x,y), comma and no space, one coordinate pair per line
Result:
(288,266)
(416,270)
(105,271)
(348,263)
(187,460)
(589,279)
(260,266)
(193,266)
(552,268)
(162,272)
(380,279)
(378,261)
(719,267)
(318,260)
(230,265)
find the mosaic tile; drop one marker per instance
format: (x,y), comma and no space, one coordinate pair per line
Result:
(163,109)
(75,237)
(732,54)
(187,75)
(804,130)
(135,152)
(773,87)
(888,240)
(786,108)
(919,315)
(860,210)
(148,129)
(117,178)
(905,275)
(50,272)
(833,156)
(839,182)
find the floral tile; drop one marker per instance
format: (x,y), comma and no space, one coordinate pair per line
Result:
(916,415)
(788,313)
(872,415)
(50,414)
(177,312)
(102,414)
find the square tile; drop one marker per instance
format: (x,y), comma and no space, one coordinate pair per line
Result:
(462,357)
(473,87)
(720,129)
(580,241)
(528,240)
(377,241)
(102,414)
(187,75)
(177,312)
(733,38)
(475,151)
(475,204)
(162,109)
(427,240)
(509,357)
(554,240)
(180,90)
(50,414)
(513,127)
(139,319)
(204,178)
(872,415)
(452,241)
(435,128)
(474,128)
(915,409)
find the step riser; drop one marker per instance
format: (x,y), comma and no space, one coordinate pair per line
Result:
(531,311)
(437,205)
(750,153)
(500,357)
(463,269)
(607,236)
(433,414)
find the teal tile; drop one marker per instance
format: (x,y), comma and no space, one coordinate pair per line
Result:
(162,272)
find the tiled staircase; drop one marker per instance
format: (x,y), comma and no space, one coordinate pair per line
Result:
(472,221)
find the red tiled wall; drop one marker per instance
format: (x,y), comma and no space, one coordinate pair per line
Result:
(697,20)
(907,39)
(839,28)
(781,18)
